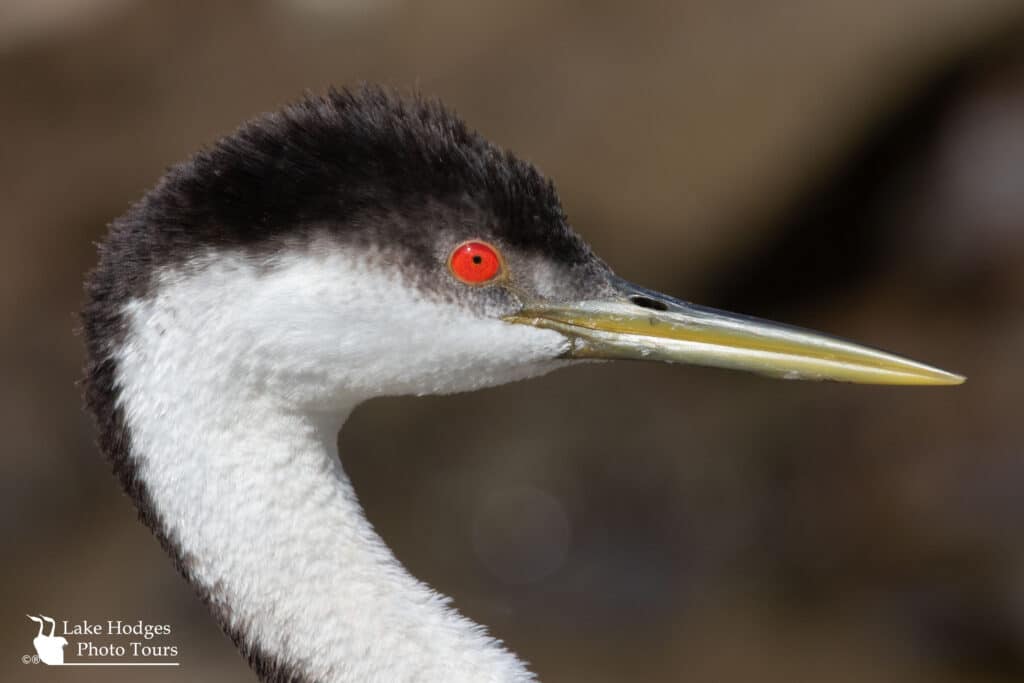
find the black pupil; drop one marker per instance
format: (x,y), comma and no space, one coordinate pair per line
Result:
(477,259)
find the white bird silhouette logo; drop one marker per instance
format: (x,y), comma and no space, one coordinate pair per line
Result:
(50,648)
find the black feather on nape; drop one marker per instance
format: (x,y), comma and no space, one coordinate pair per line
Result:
(327,159)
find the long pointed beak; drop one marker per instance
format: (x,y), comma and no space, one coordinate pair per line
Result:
(641,324)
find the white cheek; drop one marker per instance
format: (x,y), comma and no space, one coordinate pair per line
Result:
(313,326)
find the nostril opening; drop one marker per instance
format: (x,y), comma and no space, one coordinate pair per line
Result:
(644,302)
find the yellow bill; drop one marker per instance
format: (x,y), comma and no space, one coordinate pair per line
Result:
(641,324)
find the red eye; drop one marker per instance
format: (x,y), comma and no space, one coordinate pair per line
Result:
(475,262)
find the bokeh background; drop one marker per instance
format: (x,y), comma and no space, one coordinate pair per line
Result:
(853,166)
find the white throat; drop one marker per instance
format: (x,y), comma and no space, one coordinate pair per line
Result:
(240,462)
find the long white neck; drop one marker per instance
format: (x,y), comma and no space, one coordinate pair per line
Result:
(269,527)
(251,492)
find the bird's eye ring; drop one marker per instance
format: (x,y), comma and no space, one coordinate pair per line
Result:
(475,262)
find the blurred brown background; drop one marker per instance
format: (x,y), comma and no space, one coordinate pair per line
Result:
(857,167)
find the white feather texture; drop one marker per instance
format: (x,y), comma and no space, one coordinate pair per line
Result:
(234,379)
